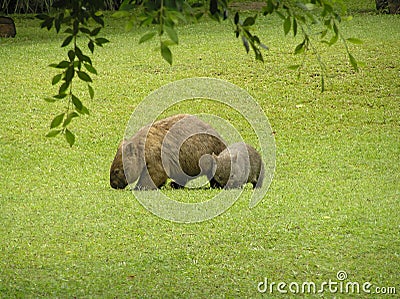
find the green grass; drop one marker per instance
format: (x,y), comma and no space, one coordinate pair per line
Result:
(333,204)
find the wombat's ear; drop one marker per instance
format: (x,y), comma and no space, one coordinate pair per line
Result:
(234,158)
(214,156)
(128,148)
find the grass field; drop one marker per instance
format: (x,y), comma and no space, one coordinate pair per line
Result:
(334,203)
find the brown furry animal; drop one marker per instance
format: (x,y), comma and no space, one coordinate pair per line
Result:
(237,165)
(171,147)
(7,27)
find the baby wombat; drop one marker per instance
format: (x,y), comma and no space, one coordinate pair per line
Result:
(171,147)
(237,165)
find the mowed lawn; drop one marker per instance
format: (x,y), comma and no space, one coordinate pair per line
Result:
(333,205)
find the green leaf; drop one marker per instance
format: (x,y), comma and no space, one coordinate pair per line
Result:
(172,34)
(57,120)
(309,6)
(299,48)
(95,31)
(84,76)
(53,133)
(70,137)
(42,17)
(353,62)
(85,58)
(69,118)
(236,18)
(81,56)
(91,46)
(129,25)
(62,65)
(98,19)
(166,53)
(90,68)
(121,14)
(100,41)
(147,37)
(335,29)
(69,74)
(269,8)
(56,79)
(294,67)
(77,102)
(71,55)
(91,91)
(63,88)
(60,96)
(58,21)
(286,25)
(147,21)
(67,41)
(69,31)
(294,27)
(50,100)
(85,30)
(333,40)
(355,41)
(84,110)
(249,21)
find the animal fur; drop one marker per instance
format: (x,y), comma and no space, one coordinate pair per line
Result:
(237,165)
(168,148)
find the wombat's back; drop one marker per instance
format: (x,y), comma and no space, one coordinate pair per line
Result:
(185,143)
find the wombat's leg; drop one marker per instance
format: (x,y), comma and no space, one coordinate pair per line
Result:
(147,183)
(260,179)
(175,185)
(214,184)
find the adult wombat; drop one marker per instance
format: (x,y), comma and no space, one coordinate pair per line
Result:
(7,27)
(171,147)
(237,165)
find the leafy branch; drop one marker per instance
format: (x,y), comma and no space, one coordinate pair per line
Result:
(75,16)
(313,18)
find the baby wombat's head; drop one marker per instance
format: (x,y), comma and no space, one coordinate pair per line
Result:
(117,175)
(232,166)
(222,168)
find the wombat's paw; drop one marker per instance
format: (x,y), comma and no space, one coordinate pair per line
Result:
(214,184)
(175,185)
(233,186)
(144,188)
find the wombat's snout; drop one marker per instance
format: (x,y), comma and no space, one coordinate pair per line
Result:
(117,179)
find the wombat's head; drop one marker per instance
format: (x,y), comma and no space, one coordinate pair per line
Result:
(117,174)
(227,171)
(126,166)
